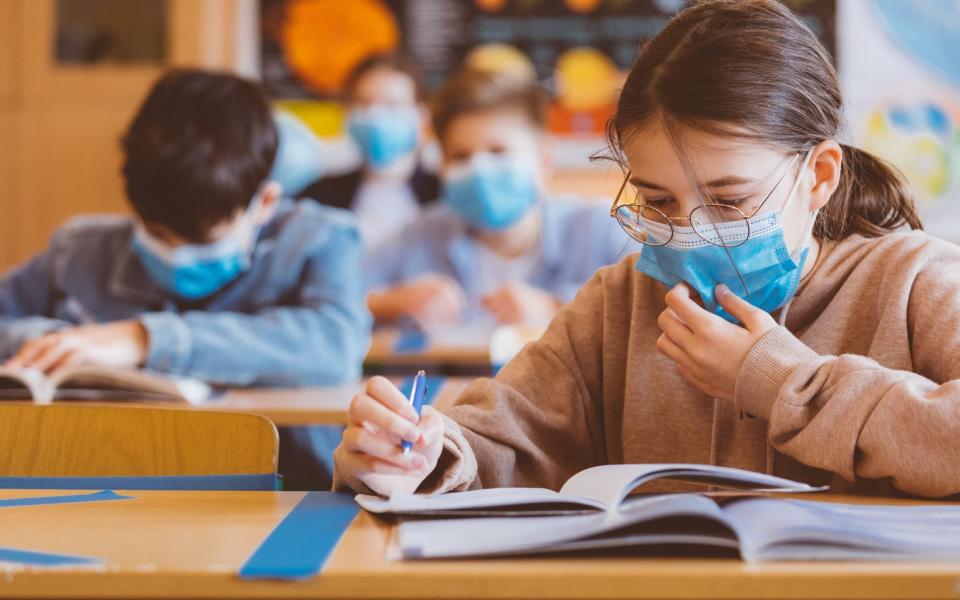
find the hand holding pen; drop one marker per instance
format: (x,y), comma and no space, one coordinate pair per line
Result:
(382,423)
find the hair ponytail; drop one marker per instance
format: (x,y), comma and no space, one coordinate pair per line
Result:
(872,199)
(752,69)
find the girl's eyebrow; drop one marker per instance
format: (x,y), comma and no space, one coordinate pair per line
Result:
(722,182)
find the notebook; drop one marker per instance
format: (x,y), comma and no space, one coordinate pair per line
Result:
(760,529)
(593,512)
(99,383)
(602,488)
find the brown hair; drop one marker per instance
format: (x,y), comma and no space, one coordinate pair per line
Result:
(475,90)
(386,62)
(751,69)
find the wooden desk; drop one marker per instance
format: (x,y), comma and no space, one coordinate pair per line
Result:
(191,544)
(314,406)
(458,350)
(306,406)
(470,355)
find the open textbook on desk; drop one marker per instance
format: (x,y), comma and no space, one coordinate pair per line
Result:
(98,383)
(594,511)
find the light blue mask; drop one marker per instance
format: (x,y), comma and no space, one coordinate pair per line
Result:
(770,272)
(299,155)
(195,271)
(492,191)
(385,134)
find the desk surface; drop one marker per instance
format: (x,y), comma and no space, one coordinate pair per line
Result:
(470,353)
(306,406)
(314,406)
(190,544)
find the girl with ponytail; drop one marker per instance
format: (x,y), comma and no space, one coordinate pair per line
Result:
(784,314)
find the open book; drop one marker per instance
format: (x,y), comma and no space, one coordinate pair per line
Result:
(761,528)
(98,383)
(599,488)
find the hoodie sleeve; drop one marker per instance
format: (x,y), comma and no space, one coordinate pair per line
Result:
(851,415)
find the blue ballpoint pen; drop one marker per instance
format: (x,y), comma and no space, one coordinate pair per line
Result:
(417,393)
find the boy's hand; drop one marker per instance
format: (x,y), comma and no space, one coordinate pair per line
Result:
(708,349)
(120,344)
(379,420)
(520,303)
(431,299)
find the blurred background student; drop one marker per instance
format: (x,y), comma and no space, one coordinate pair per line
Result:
(496,249)
(387,119)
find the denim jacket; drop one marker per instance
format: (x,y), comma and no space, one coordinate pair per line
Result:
(577,238)
(296,317)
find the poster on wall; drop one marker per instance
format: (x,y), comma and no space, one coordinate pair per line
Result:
(900,71)
(579,50)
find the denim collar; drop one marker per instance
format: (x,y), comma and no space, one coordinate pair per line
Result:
(129,280)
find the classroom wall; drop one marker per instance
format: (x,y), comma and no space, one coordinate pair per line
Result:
(61,124)
(7,32)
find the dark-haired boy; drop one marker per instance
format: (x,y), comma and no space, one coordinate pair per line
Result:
(215,277)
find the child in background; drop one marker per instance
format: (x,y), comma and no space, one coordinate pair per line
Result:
(216,277)
(779,318)
(497,248)
(386,117)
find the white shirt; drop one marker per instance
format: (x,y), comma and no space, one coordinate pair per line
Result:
(493,271)
(383,208)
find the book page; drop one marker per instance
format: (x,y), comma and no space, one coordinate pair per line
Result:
(86,381)
(24,384)
(499,536)
(479,502)
(608,485)
(789,529)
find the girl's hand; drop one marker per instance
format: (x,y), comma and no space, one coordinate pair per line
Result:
(379,420)
(708,349)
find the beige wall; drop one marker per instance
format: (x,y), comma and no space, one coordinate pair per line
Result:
(7,126)
(60,126)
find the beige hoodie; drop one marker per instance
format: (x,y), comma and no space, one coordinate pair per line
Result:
(860,389)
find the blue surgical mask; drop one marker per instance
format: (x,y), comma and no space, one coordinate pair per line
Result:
(770,271)
(385,133)
(492,191)
(194,271)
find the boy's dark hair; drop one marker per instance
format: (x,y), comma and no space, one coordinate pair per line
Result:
(197,150)
(397,63)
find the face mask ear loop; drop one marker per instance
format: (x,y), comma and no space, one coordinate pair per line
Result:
(811,217)
(796,183)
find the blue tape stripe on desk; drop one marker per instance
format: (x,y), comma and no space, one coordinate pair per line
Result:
(409,342)
(434,383)
(65,499)
(44,559)
(300,545)
(265,482)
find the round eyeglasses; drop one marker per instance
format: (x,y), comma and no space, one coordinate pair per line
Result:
(719,224)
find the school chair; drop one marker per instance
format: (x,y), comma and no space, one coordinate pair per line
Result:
(87,446)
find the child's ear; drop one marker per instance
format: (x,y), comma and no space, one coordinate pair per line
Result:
(826,163)
(269,199)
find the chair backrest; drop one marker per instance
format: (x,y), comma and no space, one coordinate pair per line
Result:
(92,440)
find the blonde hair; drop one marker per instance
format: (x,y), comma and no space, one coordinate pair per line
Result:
(475,90)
